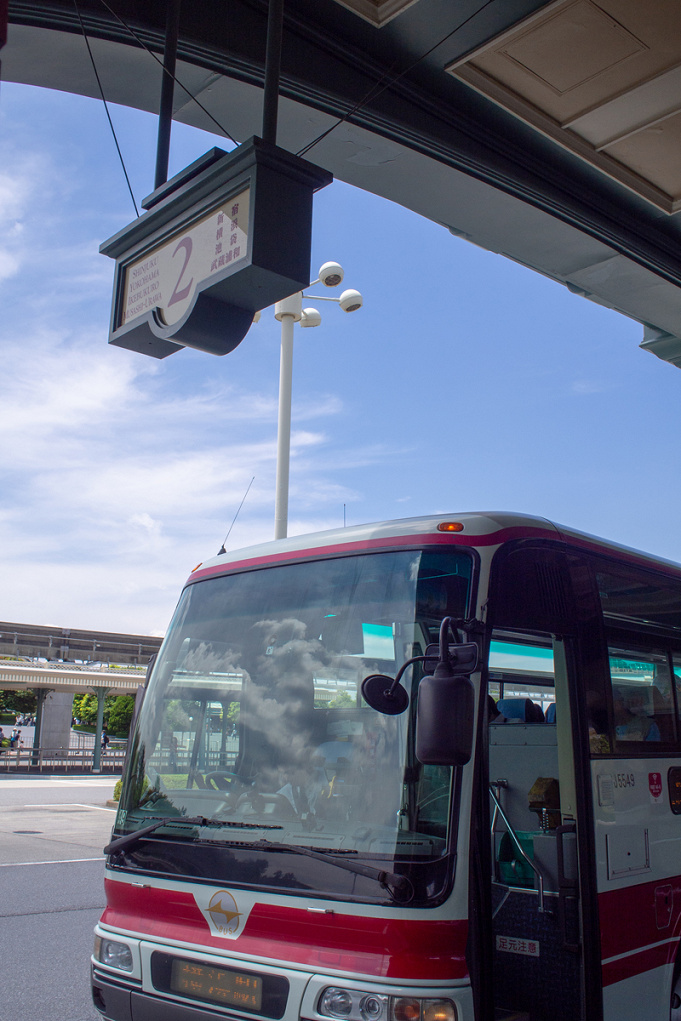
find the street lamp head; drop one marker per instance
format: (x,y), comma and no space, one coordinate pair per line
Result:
(331,274)
(350,301)
(311,317)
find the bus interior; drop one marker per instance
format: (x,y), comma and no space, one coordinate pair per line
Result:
(535,924)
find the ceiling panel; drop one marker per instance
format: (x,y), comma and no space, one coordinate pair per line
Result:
(602,79)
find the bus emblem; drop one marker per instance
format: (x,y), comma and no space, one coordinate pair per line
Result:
(224,914)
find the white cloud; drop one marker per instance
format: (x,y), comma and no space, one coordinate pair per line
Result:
(15,194)
(9,264)
(113,486)
(118,474)
(15,191)
(589,386)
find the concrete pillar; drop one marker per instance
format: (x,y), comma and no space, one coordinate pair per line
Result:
(41,695)
(101,694)
(55,721)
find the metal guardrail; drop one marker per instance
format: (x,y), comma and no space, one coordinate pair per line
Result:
(59,760)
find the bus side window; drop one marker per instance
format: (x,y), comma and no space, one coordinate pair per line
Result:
(676,667)
(642,697)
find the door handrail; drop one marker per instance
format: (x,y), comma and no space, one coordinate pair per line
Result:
(498,810)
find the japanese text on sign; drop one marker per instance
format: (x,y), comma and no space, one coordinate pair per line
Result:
(515,945)
(166,278)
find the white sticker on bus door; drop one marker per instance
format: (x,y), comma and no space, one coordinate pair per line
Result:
(606,790)
(515,945)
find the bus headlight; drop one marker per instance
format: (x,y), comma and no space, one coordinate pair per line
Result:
(113,954)
(371,1007)
(356,1005)
(336,1002)
(352,1005)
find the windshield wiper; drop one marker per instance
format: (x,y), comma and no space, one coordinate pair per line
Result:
(399,887)
(130,839)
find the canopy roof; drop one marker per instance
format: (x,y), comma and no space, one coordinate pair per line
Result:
(545,131)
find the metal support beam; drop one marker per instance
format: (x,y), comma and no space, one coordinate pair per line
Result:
(284,428)
(270,102)
(165,113)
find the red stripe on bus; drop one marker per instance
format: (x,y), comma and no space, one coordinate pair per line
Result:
(632,920)
(388,542)
(373,946)
(496,538)
(639,963)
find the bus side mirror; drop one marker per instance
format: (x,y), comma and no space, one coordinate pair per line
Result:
(444,718)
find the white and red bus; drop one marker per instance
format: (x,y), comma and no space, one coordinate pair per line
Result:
(492,830)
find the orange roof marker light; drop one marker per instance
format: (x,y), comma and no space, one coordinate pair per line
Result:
(450,526)
(195,568)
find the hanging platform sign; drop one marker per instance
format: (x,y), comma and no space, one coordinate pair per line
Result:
(228,236)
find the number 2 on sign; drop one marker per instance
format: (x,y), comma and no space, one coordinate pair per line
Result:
(180,295)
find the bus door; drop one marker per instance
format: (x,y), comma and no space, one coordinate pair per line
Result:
(635,779)
(536,944)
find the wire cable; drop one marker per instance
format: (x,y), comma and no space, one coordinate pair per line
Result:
(222,548)
(378,88)
(177,81)
(106,106)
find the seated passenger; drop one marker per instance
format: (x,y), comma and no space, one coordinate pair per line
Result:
(533,712)
(632,722)
(520,710)
(495,716)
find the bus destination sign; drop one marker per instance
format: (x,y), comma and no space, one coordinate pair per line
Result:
(228,236)
(166,278)
(230,988)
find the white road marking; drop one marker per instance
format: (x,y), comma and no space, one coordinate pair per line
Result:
(13,782)
(60,861)
(72,804)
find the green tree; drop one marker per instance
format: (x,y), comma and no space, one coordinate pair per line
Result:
(85,708)
(341,700)
(18,702)
(120,715)
(177,716)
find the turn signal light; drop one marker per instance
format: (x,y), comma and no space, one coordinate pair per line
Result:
(407,1009)
(438,1010)
(357,1005)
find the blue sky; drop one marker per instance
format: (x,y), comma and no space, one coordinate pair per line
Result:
(466,382)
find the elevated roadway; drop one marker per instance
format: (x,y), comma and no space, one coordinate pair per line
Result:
(59,643)
(32,657)
(68,677)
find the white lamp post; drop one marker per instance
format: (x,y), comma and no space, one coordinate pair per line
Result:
(288,312)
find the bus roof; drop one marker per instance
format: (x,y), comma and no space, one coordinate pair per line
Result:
(478,529)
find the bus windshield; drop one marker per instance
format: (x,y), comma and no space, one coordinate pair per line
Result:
(254,729)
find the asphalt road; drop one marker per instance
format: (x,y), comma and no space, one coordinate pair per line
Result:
(52,831)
